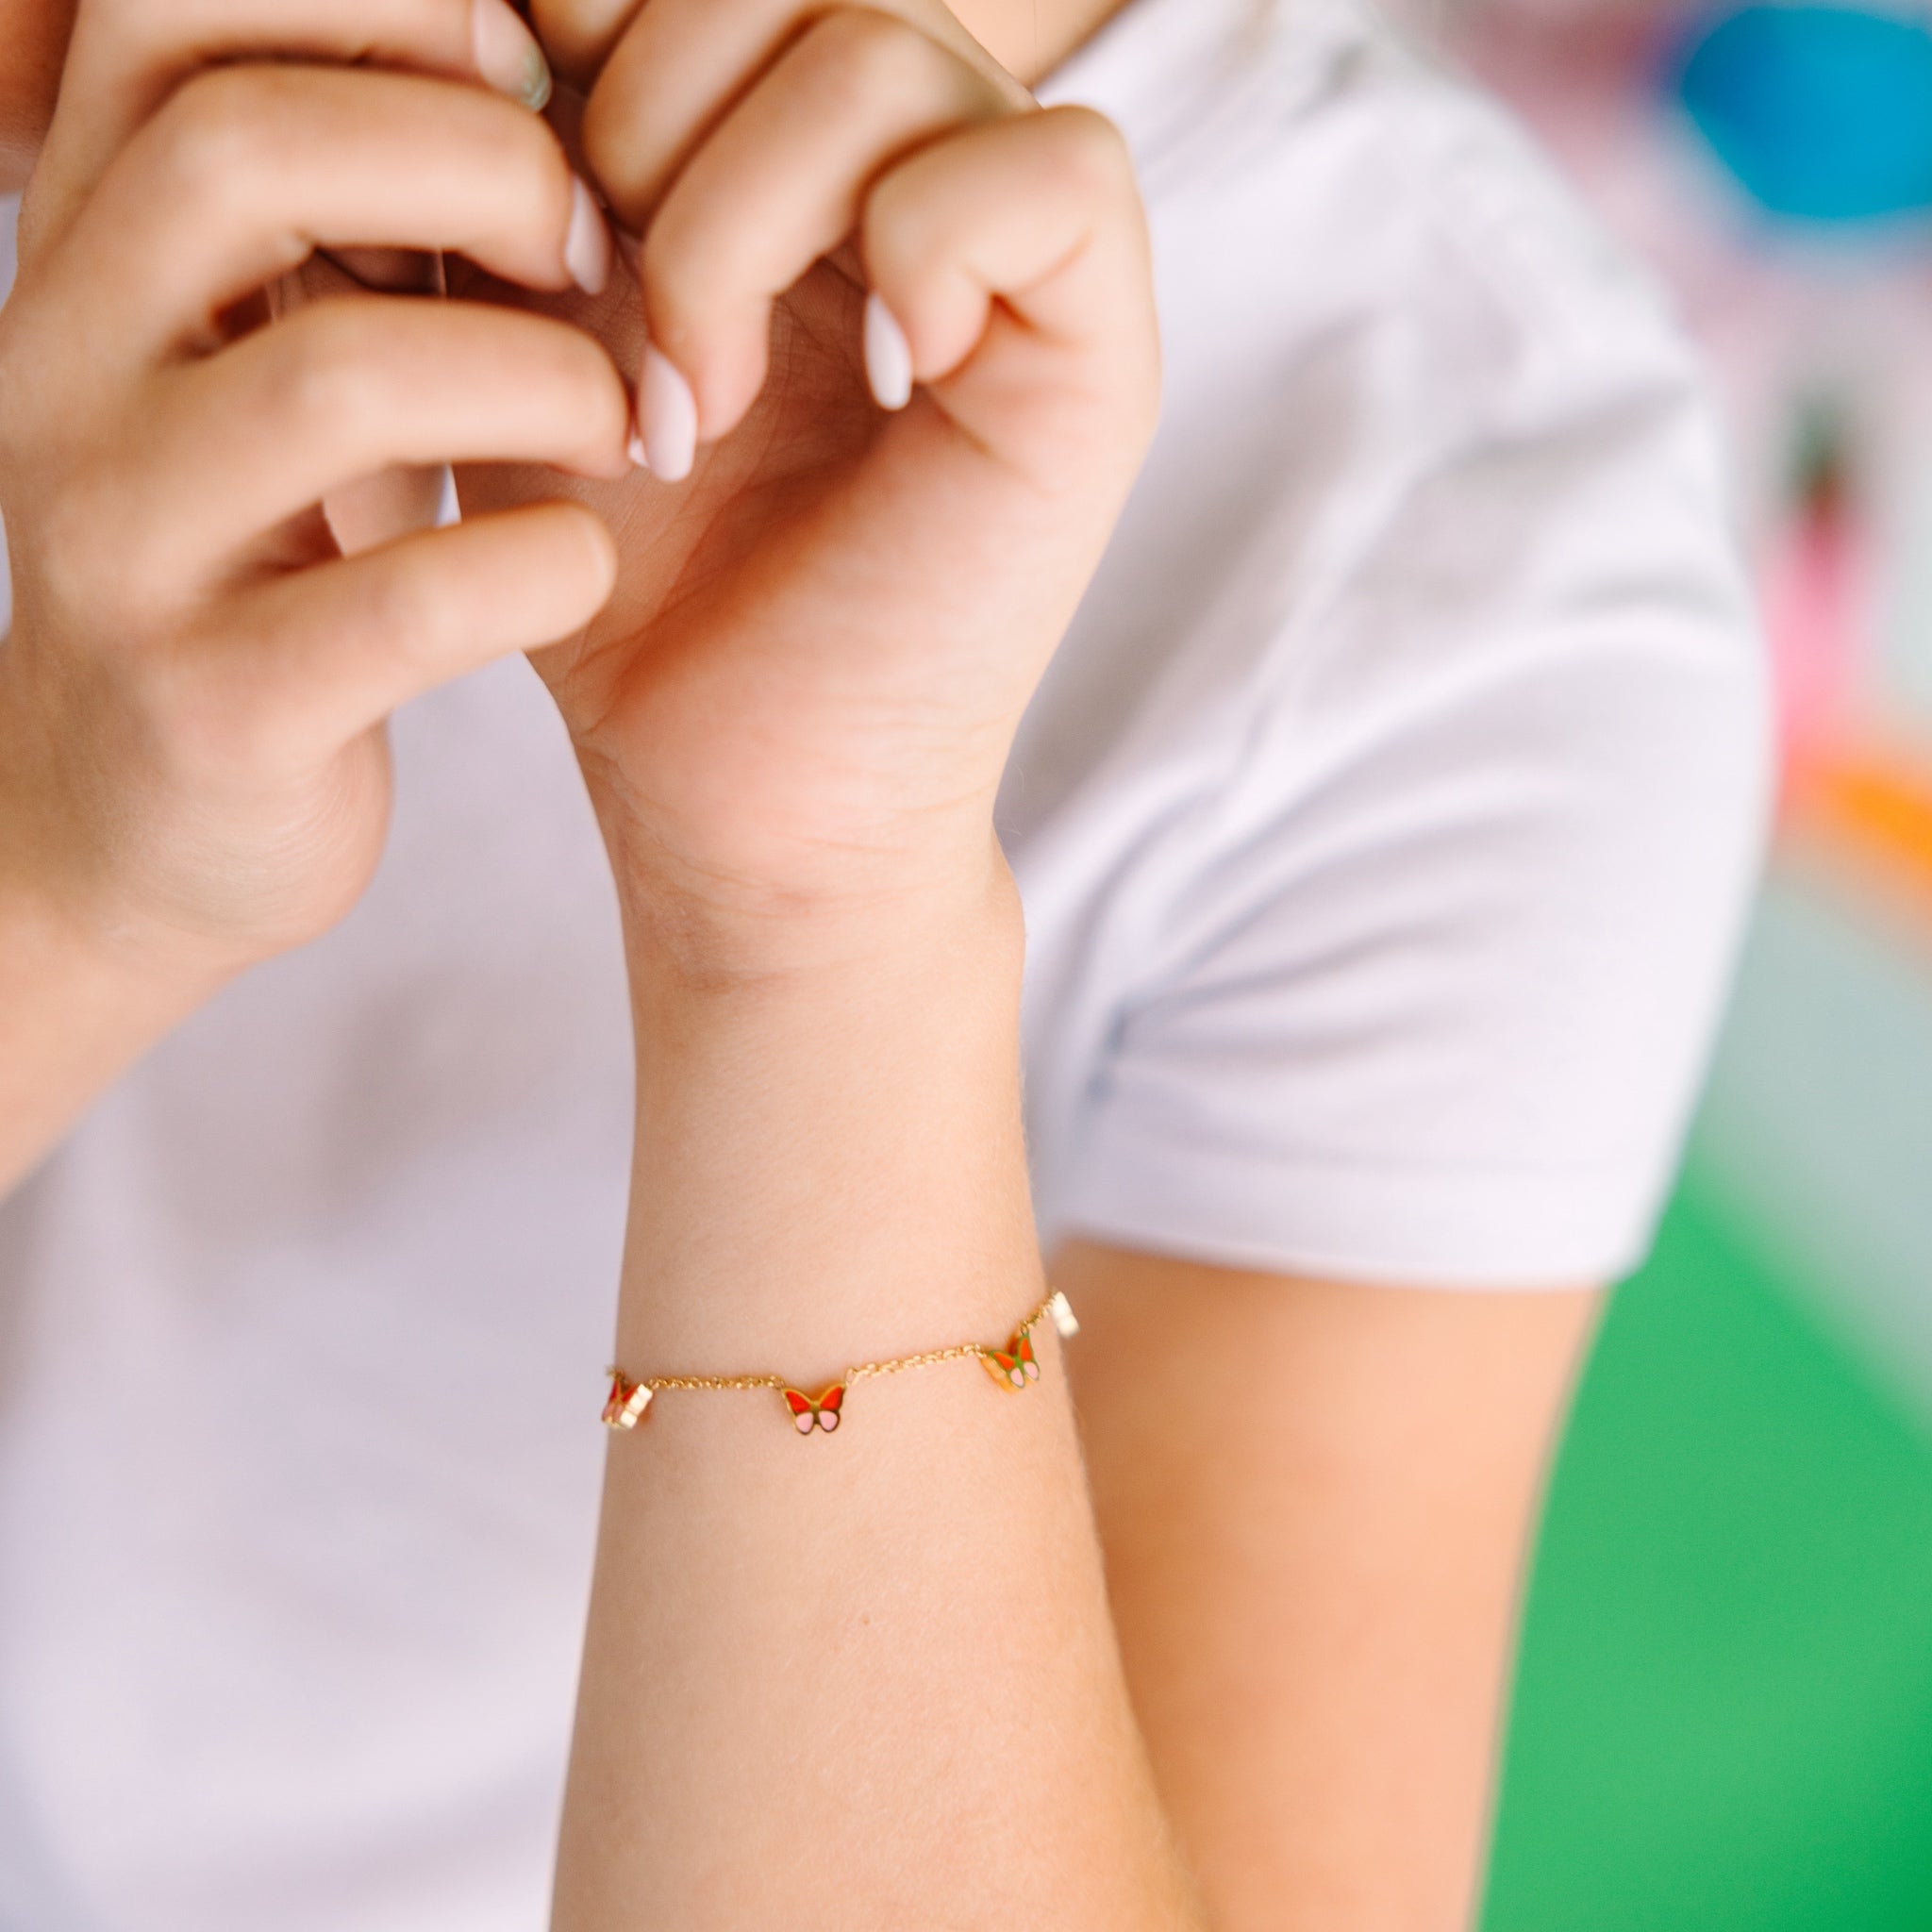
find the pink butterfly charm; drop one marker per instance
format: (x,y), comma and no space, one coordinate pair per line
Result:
(1014,1366)
(629,1401)
(807,1414)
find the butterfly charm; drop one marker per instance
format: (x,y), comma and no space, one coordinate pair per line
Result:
(1014,1366)
(629,1401)
(807,1414)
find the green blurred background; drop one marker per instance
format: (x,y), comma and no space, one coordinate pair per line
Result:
(1724,1717)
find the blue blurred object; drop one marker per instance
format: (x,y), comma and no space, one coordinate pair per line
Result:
(1823,113)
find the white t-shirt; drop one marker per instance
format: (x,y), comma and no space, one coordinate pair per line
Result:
(1383,830)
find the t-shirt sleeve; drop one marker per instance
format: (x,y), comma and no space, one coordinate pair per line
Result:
(1454,934)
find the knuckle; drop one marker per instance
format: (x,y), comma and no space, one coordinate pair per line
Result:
(856,57)
(221,130)
(403,610)
(98,555)
(1087,153)
(328,381)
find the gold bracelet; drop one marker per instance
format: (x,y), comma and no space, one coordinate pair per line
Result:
(1012,1367)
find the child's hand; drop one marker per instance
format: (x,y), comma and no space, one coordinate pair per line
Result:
(803,692)
(191,763)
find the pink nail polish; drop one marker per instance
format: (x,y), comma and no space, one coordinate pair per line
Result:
(888,355)
(587,247)
(668,415)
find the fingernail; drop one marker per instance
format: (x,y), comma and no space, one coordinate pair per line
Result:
(668,415)
(587,247)
(887,357)
(633,449)
(508,55)
(449,506)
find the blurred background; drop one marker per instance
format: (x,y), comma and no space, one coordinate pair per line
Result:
(1724,1713)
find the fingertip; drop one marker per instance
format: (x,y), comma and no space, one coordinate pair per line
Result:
(507,55)
(600,547)
(569,547)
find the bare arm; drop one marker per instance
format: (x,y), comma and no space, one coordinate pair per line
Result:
(1316,1502)
(867,1678)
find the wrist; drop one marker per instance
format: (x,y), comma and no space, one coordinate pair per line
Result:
(64,923)
(876,918)
(55,917)
(75,1010)
(861,1081)
(60,938)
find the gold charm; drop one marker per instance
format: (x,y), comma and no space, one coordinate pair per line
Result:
(1014,1366)
(629,1401)
(807,1415)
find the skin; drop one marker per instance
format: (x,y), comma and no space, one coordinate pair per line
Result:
(34,33)
(1262,1634)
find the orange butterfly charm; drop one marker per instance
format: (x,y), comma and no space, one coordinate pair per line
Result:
(807,1415)
(629,1401)
(1014,1366)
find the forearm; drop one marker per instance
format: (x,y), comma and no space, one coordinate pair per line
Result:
(867,1678)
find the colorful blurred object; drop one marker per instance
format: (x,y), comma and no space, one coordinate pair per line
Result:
(1823,113)
(1816,591)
